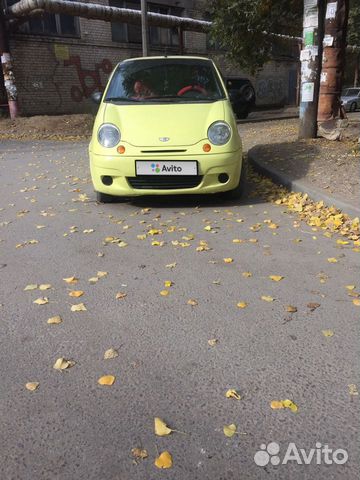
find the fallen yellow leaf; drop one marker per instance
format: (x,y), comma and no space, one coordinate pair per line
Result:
(164,460)
(328,333)
(32,286)
(278,404)
(80,307)
(247,274)
(101,274)
(71,280)
(62,364)
(192,302)
(168,283)
(291,309)
(242,305)
(44,286)
(54,320)
(212,342)
(350,287)
(267,298)
(32,386)
(276,278)
(76,293)
(110,353)
(41,301)
(231,393)
(229,430)
(164,293)
(120,295)
(228,260)
(161,429)
(332,260)
(356,302)
(106,380)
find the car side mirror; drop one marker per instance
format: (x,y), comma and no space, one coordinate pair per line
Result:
(96,97)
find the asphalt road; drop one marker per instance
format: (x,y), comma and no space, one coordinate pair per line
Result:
(72,428)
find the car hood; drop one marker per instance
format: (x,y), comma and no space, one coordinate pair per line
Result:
(177,124)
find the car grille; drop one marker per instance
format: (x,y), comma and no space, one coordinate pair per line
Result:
(164,182)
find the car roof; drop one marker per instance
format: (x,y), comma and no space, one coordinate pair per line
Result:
(168,57)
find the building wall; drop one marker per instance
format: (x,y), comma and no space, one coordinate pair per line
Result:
(57,75)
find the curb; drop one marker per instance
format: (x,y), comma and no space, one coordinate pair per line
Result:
(266,119)
(299,185)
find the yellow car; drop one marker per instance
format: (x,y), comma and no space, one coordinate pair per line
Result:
(165,125)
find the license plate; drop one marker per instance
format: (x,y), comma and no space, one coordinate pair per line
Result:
(145,167)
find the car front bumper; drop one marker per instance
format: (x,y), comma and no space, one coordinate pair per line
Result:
(121,169)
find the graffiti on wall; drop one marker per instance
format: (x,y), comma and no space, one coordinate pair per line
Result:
(271,90)
(89,80)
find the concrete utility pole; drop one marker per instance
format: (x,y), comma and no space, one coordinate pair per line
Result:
(7,70)
(144,29)
(333,63)
(310,57)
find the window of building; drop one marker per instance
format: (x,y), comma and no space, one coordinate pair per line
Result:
(52,24)
(127,33)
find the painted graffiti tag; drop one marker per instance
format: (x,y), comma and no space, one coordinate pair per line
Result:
(90,80)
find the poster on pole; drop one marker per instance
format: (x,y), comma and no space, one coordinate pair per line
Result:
(307,92)
(331,10)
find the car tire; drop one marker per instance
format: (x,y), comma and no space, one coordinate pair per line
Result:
(242,114)
(241,189)
(353,107)
(248,93)
(105,198)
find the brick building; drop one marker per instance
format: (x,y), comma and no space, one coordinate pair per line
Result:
(60,60)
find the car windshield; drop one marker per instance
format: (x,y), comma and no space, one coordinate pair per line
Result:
(165,80)
(350,92)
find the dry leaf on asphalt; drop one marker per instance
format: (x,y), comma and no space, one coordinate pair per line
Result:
(328,333)
(164,293)
(267,298)
(93,279)
(232,393)
(350,287)
(54,320)
(32,386)
(228,260)
(168,283)
(41,301)
(32,286)
(332,260)
(161,429)
(101,274)
(229,430)
(62,364)
(313,306)
(291,309)
(353,389)
(356,302)
(71,280)
(110,353)
(278,404)
(192,302)
(44,286)
(164,460)
(276,278)
(139,453)
(247,274)
(213,341)
(76,293)
(80,307)
(242,305)
(120,295)
(106,380)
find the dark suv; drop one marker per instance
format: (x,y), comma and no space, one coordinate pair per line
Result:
(242,95)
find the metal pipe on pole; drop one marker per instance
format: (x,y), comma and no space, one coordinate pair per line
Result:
(144,29)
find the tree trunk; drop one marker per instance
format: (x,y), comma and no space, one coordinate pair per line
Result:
(7,70)
(333,65)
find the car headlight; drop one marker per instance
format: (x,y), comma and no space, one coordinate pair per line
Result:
(108,135)
(219,133)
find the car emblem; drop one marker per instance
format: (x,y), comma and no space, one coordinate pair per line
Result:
(164,139)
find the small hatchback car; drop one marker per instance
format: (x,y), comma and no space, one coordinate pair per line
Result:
(165,125)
